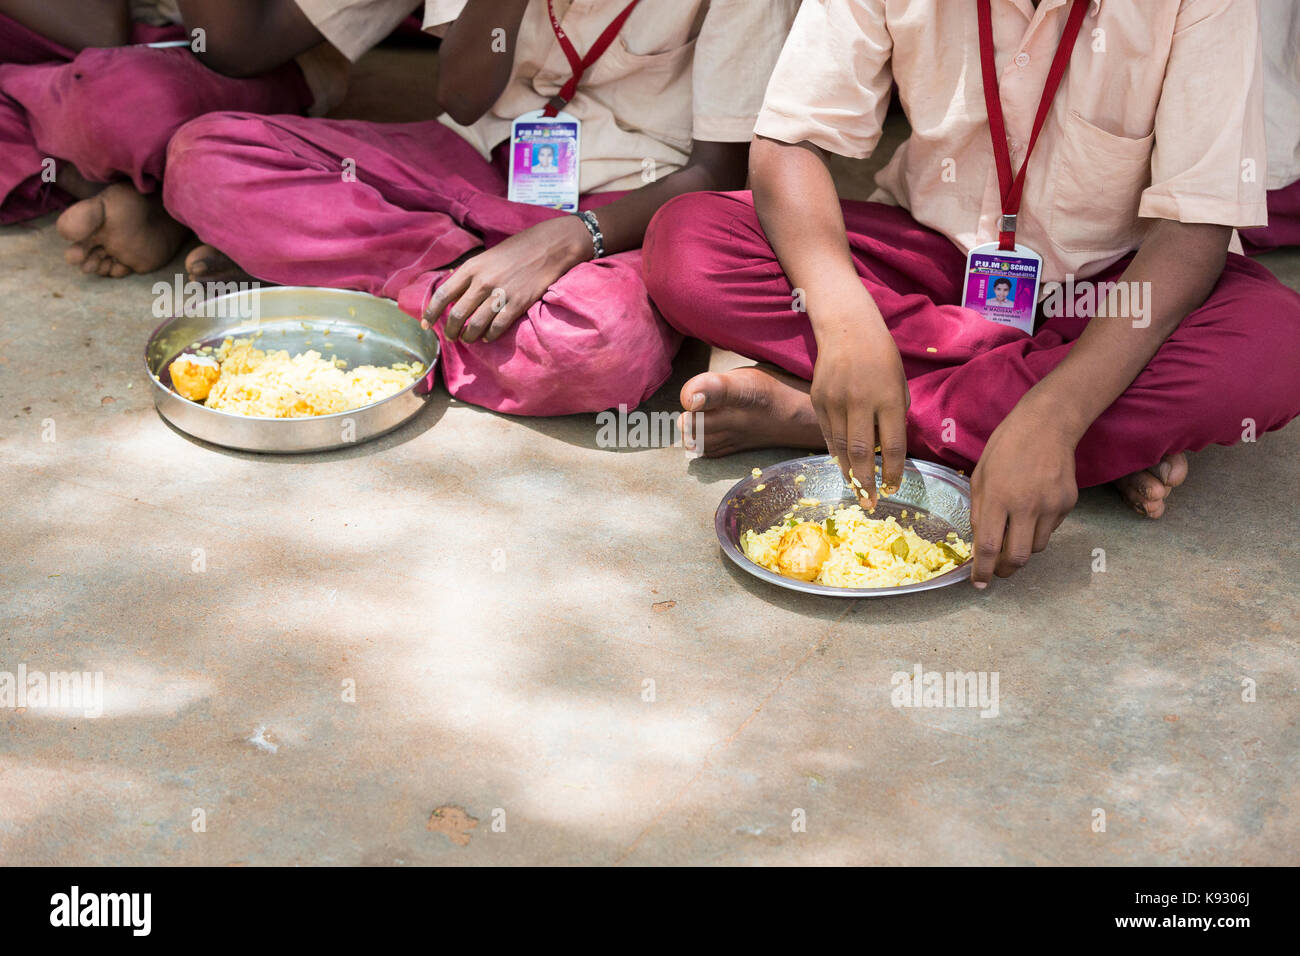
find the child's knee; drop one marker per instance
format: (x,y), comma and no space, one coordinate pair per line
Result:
(1243,351)
(96,80)
(198,159)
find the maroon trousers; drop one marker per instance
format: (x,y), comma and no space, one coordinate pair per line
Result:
(1283,227)
(1229,369)
(268,191)
(109,111)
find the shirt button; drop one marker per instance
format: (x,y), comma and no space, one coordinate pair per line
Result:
(1022,59)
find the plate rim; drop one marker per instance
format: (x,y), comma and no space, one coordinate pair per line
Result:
(161,390)
(732,551)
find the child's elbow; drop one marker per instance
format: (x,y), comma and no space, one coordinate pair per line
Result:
(729,178)
(119,32)
(232,55)
(721,166)
(464,109)
(465,98)
(228,61)
(97,30)
(464,115)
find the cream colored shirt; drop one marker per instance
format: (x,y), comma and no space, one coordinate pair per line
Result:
(1158,116)
(1280,20)
(679,71)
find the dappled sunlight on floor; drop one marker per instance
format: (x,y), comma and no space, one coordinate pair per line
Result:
(312,654)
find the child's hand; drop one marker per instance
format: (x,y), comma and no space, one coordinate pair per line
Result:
(492,290)
(860,394)
(1021,491)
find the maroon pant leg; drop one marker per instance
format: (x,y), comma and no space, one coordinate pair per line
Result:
(1228,369)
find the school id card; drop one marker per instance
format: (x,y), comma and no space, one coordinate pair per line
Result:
(1002,285)
(544,158)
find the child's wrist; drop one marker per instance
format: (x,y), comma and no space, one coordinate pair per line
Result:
(575,244)
(1056,417)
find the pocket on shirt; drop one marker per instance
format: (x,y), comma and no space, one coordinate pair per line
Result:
(1097,188)
(650,92)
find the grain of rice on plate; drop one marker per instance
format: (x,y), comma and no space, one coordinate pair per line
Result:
(240,378)
(850,550)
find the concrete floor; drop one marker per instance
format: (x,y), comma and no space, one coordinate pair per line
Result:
(500,591)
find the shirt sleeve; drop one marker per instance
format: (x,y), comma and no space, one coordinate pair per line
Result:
(1280,22)
(440,14)
(354,26)
(1209,162)
(831,83)
(735,51)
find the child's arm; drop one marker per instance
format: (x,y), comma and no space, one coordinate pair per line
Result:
(858,387)
(490,291)
(1209,120)
(76,24)
(525,265)
(248,37)
(472,70)
(1023,486)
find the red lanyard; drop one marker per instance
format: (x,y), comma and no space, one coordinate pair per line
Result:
(581,63)
(1012,188)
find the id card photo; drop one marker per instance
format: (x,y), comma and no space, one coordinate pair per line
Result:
(1003,287)
(544,161)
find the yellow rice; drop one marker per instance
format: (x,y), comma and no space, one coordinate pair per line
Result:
(275,385)
(861,554)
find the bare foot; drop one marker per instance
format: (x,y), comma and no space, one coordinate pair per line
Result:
(1147,491)
(119,231)
(208,264)
(76,185)
(753,407)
